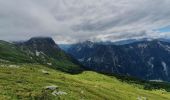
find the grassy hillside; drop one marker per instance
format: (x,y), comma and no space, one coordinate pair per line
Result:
(10,52)
(32,75)
(27,82)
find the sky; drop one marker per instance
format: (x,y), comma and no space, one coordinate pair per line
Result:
(70,21)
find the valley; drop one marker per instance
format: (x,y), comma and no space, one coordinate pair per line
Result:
(38,69)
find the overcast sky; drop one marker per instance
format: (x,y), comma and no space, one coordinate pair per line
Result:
(68,21)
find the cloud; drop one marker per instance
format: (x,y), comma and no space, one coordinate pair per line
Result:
(69,21)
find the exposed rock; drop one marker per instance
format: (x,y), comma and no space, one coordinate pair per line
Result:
(2,60)
(45,72)
(10,66)
(53,87)
(49,64)
(14,66)
(54,90)
(37,53)
(147,60)
(82,92)
(55,93)
(141,98)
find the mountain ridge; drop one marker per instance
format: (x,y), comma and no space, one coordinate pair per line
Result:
(42,50)
(21,79)
(147,60)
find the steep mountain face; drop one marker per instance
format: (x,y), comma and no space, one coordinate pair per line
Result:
(39,50)
(148,60)
(43,46)
(45,51)
(154,55)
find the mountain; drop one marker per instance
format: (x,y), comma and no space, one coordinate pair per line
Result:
(42,50)
(149,60)
(165,39)
(38,69)
(66,47)
(45,51)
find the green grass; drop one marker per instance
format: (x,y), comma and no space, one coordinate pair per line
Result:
(27,83)
(8,51)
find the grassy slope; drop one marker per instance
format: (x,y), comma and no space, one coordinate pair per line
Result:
(8,51)
(27,82)
(12,53)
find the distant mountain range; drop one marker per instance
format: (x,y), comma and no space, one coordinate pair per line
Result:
(149,60)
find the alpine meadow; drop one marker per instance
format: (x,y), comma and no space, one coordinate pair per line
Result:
(84,50)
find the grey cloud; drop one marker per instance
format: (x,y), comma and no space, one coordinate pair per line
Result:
(146,13)
(78,20)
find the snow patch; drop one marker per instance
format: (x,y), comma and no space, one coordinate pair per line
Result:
(90,45)
(150,62)
(81,60)
(79,49)
(131,47)
(89,59)
(167,48)
(142,45)
(165,68)
(158,80)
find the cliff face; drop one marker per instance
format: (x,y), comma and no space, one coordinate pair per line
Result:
(148,60)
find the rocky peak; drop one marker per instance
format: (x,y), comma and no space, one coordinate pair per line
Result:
(41,40)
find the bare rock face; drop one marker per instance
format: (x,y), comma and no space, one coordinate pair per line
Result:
(149,60)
